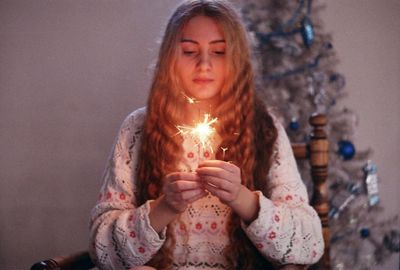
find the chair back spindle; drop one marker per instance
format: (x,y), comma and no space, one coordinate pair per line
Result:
(317,152)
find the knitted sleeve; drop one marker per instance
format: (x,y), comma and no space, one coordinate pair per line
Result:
(287,229)
(120,232)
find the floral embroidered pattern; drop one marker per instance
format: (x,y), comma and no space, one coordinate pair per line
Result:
(272,235)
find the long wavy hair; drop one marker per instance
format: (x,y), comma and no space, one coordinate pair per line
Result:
(245,126)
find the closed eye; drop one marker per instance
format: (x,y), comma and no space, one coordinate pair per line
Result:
(189,52)
(219,52)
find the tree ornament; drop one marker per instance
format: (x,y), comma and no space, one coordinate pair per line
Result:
(307,31)
(354,188)
(328,46)
(339,202)
(294,124)
(346,149)
(343,198)
(364,233)
(391,240)
(337,81)
(371,183)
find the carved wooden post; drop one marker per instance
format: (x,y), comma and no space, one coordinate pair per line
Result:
(319,155)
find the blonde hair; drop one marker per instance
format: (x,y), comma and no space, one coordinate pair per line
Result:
(236,112)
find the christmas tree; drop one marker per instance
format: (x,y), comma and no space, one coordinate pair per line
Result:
(298,77)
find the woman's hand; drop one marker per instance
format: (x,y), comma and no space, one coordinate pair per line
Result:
(221,178)
(181,189)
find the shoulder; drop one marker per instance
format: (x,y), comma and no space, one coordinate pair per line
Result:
(277,117)
(135,120)
(131,128)
(266,117)
(278,122)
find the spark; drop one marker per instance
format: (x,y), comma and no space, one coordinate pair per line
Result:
(201,132)
(190,100)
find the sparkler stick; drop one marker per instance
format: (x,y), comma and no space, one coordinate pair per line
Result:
(223,152)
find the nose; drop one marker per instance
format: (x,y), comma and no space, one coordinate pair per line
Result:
(204,62)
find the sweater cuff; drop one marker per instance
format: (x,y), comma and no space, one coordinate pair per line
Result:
(256,229)
(153,238)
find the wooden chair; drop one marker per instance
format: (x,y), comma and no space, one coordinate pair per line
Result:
(316,151)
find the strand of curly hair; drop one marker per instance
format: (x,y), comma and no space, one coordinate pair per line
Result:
(246,129)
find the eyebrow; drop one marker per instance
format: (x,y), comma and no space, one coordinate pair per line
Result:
(195,42)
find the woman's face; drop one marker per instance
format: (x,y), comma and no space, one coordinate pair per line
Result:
(201,61)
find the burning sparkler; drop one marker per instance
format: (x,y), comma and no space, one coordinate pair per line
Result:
(201,132)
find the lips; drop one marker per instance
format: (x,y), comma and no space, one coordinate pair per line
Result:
(201,80)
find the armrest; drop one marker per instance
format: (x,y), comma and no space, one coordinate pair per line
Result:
(76,261)
(300,150)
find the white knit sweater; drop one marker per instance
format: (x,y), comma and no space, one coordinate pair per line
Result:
(287,229)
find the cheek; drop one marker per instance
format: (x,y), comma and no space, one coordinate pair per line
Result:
(221,69)
(183,75)
(184,66)
(181,70)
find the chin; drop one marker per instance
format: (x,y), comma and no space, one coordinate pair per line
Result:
(212,100)
(206,95)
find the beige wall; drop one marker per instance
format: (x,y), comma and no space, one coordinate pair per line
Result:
(71,70)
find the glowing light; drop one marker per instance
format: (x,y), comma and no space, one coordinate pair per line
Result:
(190,100)
(201,132)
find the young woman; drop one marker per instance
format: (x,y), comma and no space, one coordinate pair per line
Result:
(234,200)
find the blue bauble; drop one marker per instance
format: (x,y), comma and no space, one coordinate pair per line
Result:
(364,233)
(337,81)
(294,125)
(346,149)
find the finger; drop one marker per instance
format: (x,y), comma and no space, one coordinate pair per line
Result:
(176,197)
(213,171)
(219,183)
(195,198)
(188,194)
(182,176)
(221,194)
(182,185)
(227,166)
(211,163)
